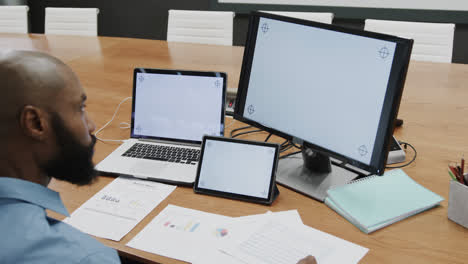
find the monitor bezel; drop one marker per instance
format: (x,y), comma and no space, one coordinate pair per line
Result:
(185,73)
(391,104)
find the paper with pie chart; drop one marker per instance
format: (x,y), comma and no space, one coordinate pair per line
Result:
(182,233)
(119,207)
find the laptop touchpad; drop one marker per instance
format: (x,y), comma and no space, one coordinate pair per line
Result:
(144,168)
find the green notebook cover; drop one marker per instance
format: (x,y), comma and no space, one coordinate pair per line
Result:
(377,201)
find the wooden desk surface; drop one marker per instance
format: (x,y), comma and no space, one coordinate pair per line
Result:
(434,108)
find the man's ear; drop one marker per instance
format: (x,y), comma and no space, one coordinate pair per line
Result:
(34,122)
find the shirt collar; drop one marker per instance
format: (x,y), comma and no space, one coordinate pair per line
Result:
(33,193)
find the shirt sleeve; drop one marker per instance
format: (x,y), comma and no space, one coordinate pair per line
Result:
(101,257)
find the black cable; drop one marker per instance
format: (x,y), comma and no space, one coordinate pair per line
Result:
(285,143)
(289,145)
(240,128)
(408,163)
(286,148)
(246,132)
(296,146)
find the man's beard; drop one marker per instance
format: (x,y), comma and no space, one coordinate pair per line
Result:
(73,162)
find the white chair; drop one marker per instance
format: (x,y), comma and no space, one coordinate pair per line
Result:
(312,16)
(432,41)
(71,21)
(14,19)
(206,27)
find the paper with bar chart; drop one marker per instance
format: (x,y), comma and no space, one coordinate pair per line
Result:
(118,207)
(182,233)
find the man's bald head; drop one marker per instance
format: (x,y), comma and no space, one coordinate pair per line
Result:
(29,78)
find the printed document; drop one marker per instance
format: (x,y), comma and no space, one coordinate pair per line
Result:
(240,227)
(271,238)
(277,242)
(181,233)
(118,207)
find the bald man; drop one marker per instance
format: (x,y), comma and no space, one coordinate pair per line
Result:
(45,133)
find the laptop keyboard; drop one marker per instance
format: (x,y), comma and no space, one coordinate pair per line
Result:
(163,153)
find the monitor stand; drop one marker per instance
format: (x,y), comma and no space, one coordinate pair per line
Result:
(311,174)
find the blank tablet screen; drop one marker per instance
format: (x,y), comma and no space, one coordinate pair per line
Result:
(237,167)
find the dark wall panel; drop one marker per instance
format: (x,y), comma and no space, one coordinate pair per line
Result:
(241,25)
(460,44)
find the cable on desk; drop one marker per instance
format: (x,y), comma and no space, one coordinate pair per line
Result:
(285,143)
(296,146)
(405,145)
(289,146)
(246,132)
(124,125)
(110,121)
(238,129)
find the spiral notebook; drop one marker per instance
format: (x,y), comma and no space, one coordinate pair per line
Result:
(378,201)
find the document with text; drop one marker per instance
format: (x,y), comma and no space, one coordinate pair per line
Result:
(270,238)
(240,227)
(119,207)
(277,242)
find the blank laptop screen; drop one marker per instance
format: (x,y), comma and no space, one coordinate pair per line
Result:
(178,106)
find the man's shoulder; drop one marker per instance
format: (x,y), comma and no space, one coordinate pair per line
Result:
(75,238)
(34,238)
(83,248)
(18,219)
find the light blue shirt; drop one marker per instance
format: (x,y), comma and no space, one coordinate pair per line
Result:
(28,235)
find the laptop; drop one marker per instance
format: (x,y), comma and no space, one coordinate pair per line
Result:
(171,112)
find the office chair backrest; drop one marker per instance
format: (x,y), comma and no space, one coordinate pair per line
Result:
(14,19)
(71,21)
(207,27)
(312,16)
(432,41)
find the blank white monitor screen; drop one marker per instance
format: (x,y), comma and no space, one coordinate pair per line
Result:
(336,80)
(237,168)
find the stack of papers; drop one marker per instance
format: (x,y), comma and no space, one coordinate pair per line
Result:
(119,207)
(275,238)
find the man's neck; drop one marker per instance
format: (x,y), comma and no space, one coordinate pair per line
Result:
(22,167)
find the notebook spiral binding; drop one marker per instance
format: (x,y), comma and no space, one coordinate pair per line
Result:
(364,179)
(356,181)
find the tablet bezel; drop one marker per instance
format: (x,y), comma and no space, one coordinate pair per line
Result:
(271,193)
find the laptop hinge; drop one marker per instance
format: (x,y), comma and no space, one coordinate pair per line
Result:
(169,142)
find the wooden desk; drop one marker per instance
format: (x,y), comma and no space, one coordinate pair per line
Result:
(434,108)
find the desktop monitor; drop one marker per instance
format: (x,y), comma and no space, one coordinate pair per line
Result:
(333,90)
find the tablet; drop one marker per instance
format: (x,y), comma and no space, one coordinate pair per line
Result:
(237,169)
